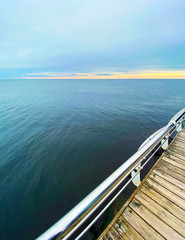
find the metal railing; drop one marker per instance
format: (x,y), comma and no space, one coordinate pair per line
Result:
(74,219)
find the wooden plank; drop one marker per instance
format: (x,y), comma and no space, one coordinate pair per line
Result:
(169,170)
(178,150)
(166,193)
(112,234)
(108,237)
(143,228)
(121,228)
(175,153)
(126,230)
(173,174)
(176,169)
(174,157)
(180,139)
(103,238)
(170,178)
(179,145)
(115,234)
(175,163)
(166,231)
(162,213)
(171,187)
(182,134)
(164,202)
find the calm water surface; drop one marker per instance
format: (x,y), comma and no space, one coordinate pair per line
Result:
(60,138)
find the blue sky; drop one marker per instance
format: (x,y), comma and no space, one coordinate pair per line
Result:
(40,38)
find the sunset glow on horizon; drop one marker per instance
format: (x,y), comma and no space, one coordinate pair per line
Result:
(112,75)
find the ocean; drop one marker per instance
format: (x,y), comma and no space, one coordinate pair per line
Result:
(59,139)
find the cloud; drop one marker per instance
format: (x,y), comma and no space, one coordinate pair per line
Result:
(49,74)
(145,74)
(90,36)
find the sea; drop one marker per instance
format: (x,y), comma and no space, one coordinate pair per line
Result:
(61,138)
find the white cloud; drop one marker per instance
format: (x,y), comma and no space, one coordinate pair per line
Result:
(89,34)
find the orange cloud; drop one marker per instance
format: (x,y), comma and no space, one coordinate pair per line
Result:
(149,74)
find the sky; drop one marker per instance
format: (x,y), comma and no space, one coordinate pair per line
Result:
(92,39)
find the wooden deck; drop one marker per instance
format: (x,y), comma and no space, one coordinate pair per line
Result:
(156,210)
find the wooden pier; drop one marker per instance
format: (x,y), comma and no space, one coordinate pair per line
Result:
(156,210)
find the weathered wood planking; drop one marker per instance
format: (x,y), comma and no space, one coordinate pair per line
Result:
(156,210)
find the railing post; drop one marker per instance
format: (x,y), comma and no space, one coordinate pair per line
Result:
(179,126)
(137,179)
(165,142)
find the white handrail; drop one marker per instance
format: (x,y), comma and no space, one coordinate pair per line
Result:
(67,225)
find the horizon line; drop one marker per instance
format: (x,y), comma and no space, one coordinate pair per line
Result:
(146,74)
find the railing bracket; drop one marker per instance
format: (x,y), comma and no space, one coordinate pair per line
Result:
(136,172)
(165,143)
(179,127)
